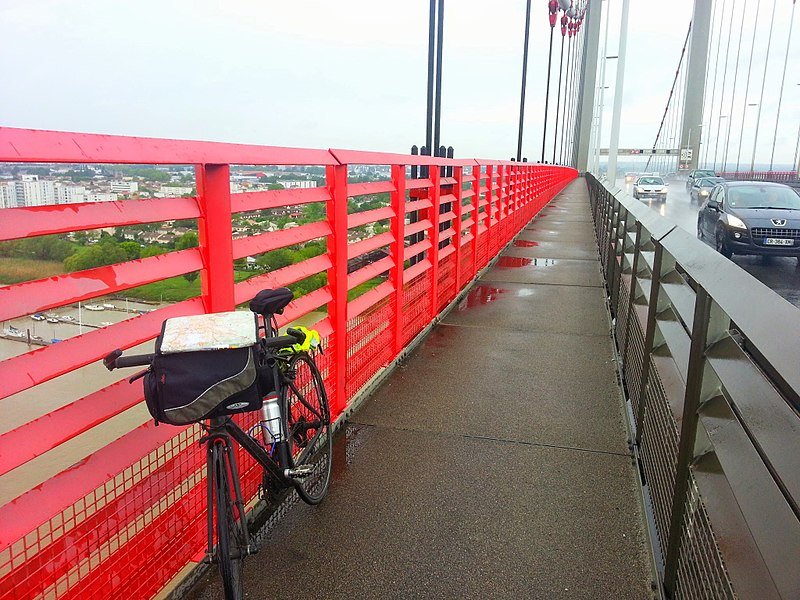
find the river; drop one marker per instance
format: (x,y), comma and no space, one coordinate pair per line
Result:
(49,396)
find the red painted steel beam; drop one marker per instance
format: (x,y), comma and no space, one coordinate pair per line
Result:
(417,184)
(417,205)
(42,294)
(369,216)
(369,299)
(35,367)
(245,290)
(369,244)
(63,218)
(359,157)
(214,231)
(398,204)
(272,240)
(371,187)
(33,145)
(337,280)
(413,228)
(37,506)
(47,432)
(268,199)
(415,249)
(366,273)
(299,307)
(416,270)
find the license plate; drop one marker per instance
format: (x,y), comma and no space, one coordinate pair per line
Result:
(778,242)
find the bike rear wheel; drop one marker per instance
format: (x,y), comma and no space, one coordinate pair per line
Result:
(308,424)
(231,548)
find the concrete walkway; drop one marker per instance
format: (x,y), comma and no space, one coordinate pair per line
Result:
(494,463)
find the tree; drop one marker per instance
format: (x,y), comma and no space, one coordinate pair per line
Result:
(277,259)
(151,251)
(107,253)
(187,240)
(275,186)
(191,276)
(132,250)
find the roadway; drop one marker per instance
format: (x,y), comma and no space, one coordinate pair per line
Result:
(780,274)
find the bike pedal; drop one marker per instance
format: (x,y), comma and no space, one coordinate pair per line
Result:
(298,472)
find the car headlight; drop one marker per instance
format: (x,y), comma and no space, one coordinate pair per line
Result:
(637,189)
(704,192)
(736,222)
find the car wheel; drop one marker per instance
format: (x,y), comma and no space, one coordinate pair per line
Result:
(722,245)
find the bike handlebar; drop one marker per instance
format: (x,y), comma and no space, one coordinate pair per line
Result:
(115,360)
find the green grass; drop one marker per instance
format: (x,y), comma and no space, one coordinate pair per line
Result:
(363,288)
(175,289)
(17,270)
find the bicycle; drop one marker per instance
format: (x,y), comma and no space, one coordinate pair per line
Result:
(295,445)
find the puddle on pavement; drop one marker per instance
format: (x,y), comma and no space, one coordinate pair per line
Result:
(525,244)
(514,262)
(482,295)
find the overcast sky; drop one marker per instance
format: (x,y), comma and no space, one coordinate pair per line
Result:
(318,73)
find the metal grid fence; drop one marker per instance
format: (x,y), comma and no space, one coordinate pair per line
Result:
(714,392)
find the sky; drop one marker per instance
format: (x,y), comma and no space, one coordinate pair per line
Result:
(320,74)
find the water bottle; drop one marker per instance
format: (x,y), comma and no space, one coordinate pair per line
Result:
(271,420)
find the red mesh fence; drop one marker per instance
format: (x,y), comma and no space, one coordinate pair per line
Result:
(126,519)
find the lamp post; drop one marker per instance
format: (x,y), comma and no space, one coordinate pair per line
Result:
(741,133)
(716,142)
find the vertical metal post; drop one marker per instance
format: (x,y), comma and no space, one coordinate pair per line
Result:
(631,293)
(476,197)
(437,121)
(433,211)
(618,91)
(398,203)
(489,211)
(337,278)
(588,80)
(694,93)
(431,51)
(214,234)
(691,402)
(524,79)
(547,92)
(649,336)
(458,209)
(558,97)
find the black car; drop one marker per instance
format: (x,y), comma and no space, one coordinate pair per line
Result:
(701,188)
(752,217)
(698,174)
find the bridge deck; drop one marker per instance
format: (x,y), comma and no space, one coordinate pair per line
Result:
(494,463)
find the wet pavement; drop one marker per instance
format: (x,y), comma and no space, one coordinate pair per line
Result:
(782,274)
(493,463)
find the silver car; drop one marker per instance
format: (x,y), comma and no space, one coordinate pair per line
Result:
(650,186)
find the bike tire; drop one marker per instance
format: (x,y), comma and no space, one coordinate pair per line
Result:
(308,424)
(231,549)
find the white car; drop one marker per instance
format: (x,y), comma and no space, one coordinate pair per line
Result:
(650,186)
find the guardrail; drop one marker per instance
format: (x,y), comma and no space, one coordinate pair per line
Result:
(774,176)
(710,364)
(130,516)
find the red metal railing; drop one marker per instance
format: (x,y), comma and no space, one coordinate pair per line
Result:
(129,516)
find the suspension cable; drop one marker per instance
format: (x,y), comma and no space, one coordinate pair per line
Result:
(671,92)
(747,85)
(724,79)
(783,81)
(763,81)
(733,92)
(707,147)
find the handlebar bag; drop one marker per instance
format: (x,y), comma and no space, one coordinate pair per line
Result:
(205,366)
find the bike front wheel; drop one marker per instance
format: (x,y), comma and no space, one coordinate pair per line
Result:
(308,424)
(231,547)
